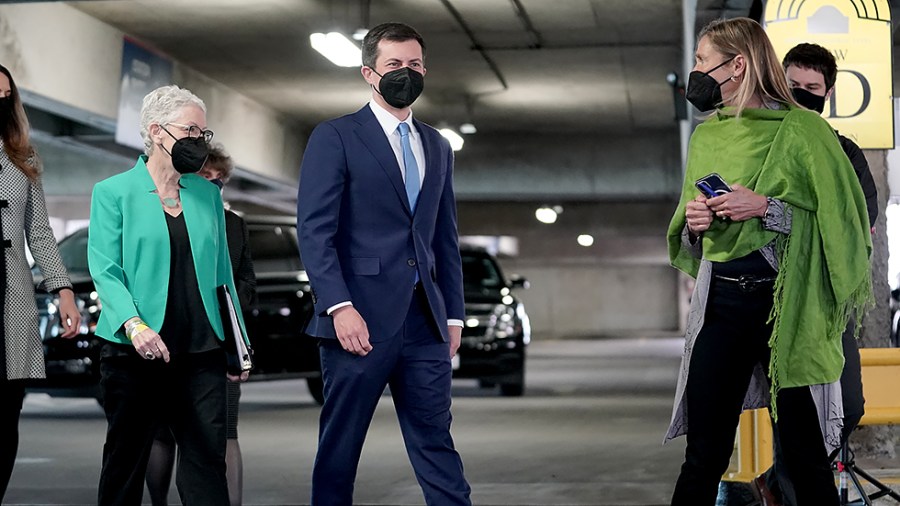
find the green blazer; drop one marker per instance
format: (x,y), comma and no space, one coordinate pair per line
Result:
(129,253)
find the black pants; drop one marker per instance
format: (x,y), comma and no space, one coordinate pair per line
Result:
(188,394)
(733,340)
(415,362)
(854,409)
(11,395)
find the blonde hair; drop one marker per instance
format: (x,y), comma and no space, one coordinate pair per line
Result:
(763,74)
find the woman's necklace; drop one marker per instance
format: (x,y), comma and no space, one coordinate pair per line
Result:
(169,202)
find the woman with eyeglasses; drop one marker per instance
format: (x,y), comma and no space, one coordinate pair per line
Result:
(217,170)
(157,252)
(24,218)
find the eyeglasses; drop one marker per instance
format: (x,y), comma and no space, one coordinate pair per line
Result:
(195,132)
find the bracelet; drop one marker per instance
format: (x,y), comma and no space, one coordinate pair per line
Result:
(130,324)
(134,328)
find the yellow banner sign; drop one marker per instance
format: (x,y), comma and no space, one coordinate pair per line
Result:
(858,33)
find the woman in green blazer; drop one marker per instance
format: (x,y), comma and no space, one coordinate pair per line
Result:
(157,251)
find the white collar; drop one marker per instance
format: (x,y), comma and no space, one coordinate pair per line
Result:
(389,122)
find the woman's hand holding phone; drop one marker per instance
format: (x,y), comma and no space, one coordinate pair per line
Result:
(698,215)
(740,204)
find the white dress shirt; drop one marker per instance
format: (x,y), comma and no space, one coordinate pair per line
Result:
(390,124)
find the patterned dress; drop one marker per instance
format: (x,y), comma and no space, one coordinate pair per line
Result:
(23,217)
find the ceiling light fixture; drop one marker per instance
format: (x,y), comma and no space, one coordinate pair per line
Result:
(337,48)
(546,215)
(456,141)
(360,34)
(467,129)
(586,240)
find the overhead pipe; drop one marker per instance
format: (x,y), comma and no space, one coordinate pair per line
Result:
(475,44)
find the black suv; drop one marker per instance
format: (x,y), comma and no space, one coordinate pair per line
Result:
(281,350)
(493,344)
(497,328)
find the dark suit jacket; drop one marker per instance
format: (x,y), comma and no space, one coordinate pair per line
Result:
(358,238)
(241,262)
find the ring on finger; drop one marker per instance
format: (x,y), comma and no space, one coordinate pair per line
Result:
(149,354)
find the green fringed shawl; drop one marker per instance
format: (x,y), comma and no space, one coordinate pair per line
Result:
(792,155)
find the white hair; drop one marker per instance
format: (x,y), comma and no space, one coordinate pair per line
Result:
(163,105)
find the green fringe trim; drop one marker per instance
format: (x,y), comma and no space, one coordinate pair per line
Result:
(782,245)
(860,302)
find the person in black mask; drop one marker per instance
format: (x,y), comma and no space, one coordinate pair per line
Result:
(217,170)
(157,252)
(762,331)
(376,219)
(23,217)
(811,71)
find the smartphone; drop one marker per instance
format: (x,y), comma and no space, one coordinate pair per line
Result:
(712,185)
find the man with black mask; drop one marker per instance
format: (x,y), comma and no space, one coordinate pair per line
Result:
(376,219)
(811,71)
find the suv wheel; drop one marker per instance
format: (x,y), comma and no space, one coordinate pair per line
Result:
(512,389)
(516,387)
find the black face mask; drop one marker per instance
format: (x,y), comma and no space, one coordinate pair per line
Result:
(703,91)
(188,155)
(401,87)
(6,106)
(218,182)
(809,100)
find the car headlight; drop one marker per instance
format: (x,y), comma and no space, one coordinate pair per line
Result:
(51,326)
(525,322)
(504,321)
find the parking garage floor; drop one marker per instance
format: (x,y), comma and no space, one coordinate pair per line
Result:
(587,432)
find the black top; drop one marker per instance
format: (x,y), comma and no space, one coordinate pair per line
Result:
(861,167)
(186,328)
(241,263)
(754,264)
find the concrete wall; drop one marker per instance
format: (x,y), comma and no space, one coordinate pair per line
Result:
(623,284)
(60,53)
(524,166)
(598,299)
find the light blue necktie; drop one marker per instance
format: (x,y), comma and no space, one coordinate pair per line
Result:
(412,168)
(412,172)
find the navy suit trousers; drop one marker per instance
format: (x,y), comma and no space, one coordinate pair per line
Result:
(416,364)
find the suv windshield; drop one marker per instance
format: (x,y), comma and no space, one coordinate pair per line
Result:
(73,250)
(273,248)
(480,272)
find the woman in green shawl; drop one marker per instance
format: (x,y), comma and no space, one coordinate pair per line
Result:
(781,261)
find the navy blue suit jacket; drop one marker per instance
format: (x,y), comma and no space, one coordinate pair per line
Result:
(359,240)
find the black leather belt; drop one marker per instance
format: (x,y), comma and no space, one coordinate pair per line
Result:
(747,282)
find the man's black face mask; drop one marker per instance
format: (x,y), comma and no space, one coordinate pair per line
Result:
(401,87)
(809,100)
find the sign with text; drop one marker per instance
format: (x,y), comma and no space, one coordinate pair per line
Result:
(142,72)
(858,33)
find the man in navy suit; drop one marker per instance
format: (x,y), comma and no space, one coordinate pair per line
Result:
(376,218)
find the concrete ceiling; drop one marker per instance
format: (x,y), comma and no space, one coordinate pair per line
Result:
(588,65)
